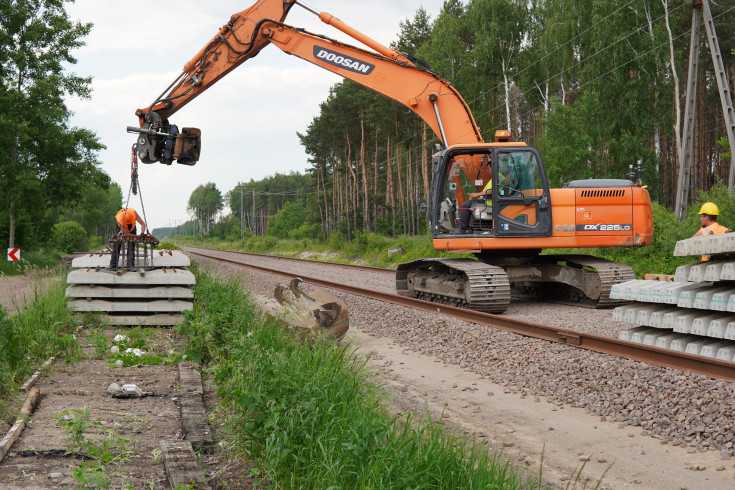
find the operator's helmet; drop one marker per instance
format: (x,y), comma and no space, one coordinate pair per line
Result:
(709,208)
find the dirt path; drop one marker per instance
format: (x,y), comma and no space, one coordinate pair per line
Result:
(134,428)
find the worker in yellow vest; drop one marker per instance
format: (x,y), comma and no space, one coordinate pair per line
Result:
(465,210)
(708,217)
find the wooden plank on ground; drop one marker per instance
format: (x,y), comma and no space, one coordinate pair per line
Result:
(181,466)
(20,424)
(193,416)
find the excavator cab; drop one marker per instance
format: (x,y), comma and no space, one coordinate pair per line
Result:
(520,201)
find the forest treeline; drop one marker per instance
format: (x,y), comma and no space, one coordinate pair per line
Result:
(596,85)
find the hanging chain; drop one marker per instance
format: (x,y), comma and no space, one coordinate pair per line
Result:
(135,186)
(134,171)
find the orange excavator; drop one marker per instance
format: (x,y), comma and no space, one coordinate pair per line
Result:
(506,229)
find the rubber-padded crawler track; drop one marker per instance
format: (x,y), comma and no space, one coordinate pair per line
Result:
(488,284)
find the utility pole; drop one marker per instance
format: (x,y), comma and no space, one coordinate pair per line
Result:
(242,231)
(700,7)
(253,215)
(724,86)
(685,161)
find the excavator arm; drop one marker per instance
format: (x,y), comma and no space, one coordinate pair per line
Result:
(379,68)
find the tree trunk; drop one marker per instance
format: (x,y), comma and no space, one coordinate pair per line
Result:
(675,76)
(335,207)
(327,227)
(348,187)
(425,167)
(375,179)
(506,86)
(409,192)
(365,200)
(353,187)
(401,196)
(389,191)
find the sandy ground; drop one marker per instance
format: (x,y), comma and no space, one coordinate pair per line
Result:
(16,291)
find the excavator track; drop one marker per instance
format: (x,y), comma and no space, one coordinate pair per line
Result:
(464,283)
(578,280)
(610,273)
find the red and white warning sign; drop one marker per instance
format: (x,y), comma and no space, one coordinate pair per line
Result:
(13,254)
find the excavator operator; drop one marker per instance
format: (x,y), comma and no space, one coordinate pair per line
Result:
(465,211)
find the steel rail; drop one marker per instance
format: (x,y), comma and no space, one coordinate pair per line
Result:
(294,259)
(638,352)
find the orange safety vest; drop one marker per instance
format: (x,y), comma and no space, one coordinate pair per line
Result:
(713,229)
(129,216)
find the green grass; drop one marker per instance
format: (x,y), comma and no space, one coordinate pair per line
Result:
(42,329)
(309,415)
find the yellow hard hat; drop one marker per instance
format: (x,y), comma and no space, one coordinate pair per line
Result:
(709,208)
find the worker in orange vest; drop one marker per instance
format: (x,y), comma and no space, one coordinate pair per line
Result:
(708,217)
(125,222)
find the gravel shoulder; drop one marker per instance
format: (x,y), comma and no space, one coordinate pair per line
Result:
(532,429)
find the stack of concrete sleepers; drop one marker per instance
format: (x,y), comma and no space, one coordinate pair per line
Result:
(696,312)
(156,292)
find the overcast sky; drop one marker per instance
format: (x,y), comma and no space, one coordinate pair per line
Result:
(248,120)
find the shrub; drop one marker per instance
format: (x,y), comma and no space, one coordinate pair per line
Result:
(95,243)
(313,231)
(289,218)
(336,240)
(69,236)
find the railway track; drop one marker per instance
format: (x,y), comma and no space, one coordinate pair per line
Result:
(629,350)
